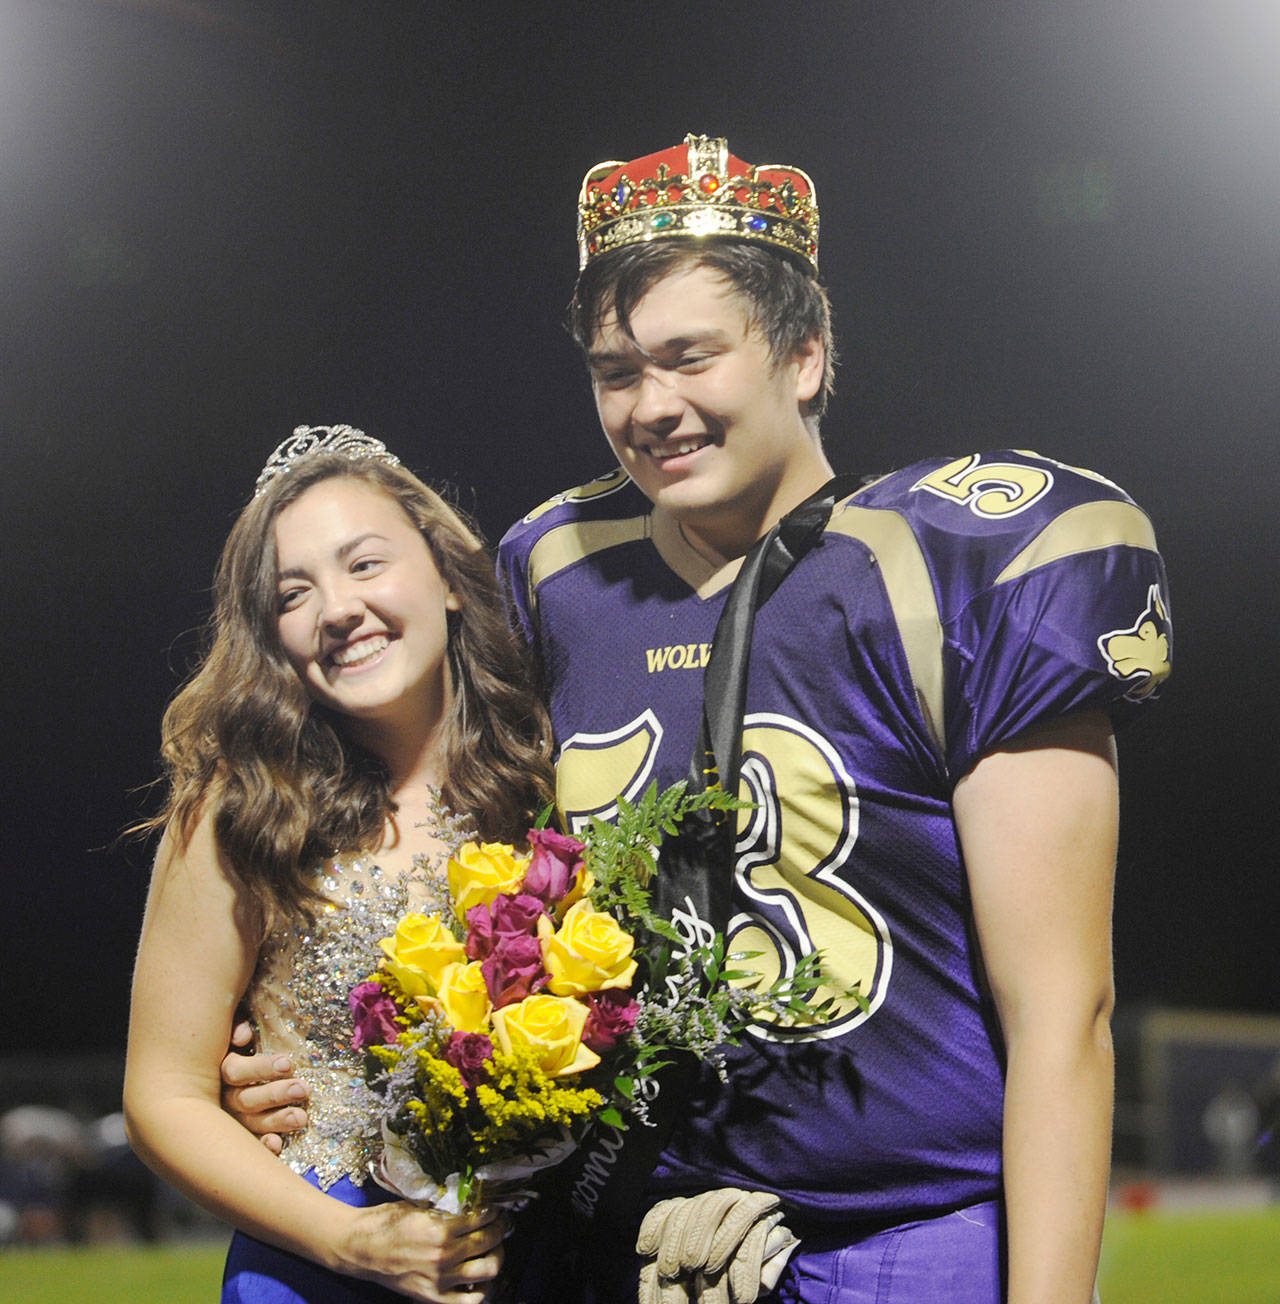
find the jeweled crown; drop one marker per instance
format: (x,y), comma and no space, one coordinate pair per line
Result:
(696,189)
(312,441)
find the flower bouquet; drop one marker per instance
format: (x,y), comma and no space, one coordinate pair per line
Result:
(536,997)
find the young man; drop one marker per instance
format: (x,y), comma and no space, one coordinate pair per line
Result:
(927,741)
(927,744)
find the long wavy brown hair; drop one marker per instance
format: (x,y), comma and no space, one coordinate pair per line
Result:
(286,787)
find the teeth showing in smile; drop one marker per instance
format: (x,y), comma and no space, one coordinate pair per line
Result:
(357,653)
(678,450)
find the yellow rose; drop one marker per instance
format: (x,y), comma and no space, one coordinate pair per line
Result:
(482,871)
(552,1025)
(587,953)
(583,884)
(420,949)
(461,996)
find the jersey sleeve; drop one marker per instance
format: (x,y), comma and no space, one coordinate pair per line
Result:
(1050,592)
(562,517)
(513,576)
(1087,631)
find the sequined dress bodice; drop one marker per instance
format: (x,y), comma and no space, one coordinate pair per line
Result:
(298,1003)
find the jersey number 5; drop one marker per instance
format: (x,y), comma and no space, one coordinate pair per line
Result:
(989,489)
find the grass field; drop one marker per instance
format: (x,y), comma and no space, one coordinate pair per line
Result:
(172,1274)
(1148,1258)
(1191,1258)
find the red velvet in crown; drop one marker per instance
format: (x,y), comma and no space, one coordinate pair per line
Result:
(696,189)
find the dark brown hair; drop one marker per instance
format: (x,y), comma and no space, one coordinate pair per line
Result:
(286,787)
(784,301)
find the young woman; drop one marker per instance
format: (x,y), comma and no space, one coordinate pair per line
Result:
(360,710)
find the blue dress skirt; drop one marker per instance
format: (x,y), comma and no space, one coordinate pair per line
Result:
(257,1273)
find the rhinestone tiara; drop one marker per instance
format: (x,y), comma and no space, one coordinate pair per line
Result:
(696,189)
(312,441)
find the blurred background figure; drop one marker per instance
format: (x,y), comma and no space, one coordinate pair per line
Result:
(1230,1121)
(113,1195)
(64,1180)
(41,1152)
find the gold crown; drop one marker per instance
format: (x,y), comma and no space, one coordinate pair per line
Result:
(696,189)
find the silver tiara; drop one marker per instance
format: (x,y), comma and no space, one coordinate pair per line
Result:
(312,441)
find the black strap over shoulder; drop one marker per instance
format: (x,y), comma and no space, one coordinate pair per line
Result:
(696,867)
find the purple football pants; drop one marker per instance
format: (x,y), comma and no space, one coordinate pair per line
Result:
(953,1259)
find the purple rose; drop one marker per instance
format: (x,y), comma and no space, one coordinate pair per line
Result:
(555,863)
(469,1053)
(373,1014)
(503,918)
(513,969)
(611,1014)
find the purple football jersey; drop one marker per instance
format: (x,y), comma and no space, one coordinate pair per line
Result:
(948,607)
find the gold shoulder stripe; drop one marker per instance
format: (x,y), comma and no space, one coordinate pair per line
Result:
(911,596)
(1085,528)
(570,543)
(597,488)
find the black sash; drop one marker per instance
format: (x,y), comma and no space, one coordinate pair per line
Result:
(696,866)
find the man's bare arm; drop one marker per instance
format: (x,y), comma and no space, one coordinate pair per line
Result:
(260,1091)
(1037,822)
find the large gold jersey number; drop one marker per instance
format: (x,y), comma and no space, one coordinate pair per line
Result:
(990,489)
(594,770)
(794,848)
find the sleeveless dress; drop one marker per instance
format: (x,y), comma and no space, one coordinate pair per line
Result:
(298,1003)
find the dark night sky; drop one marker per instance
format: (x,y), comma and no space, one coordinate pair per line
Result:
(1046,225)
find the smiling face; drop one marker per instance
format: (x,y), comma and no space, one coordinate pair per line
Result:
(702,417)
(362,611)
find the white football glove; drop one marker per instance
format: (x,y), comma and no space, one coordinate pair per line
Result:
(721,1247)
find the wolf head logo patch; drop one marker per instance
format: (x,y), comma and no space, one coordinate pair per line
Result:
(1140,654)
